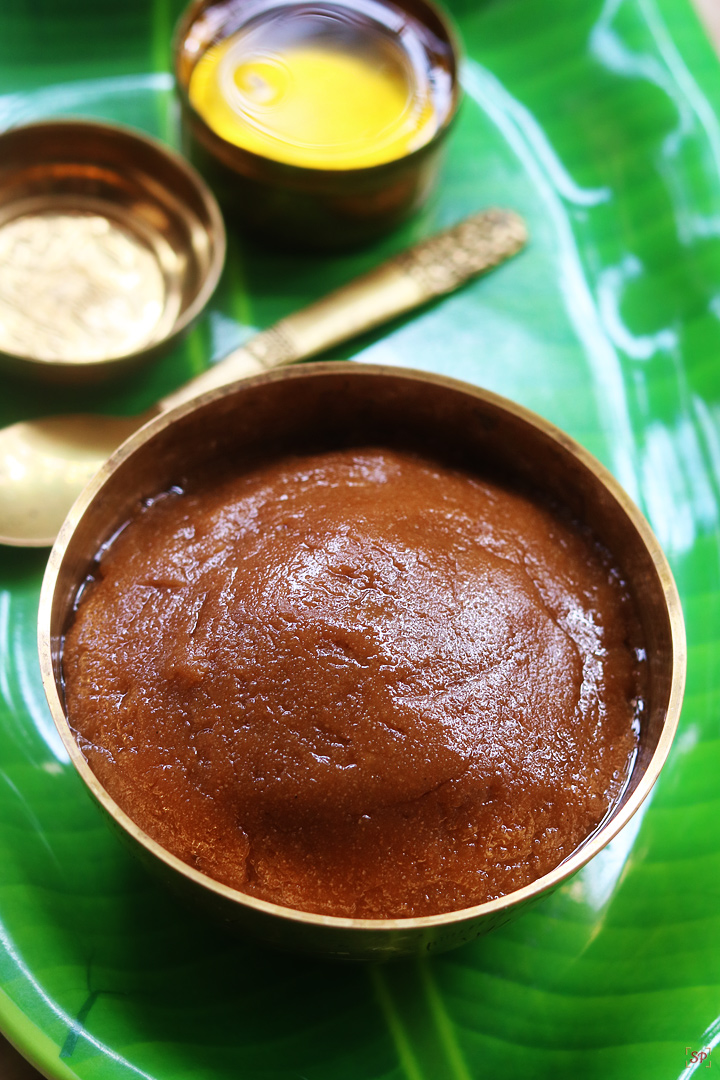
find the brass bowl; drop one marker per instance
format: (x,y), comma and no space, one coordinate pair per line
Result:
(299,206)
(336,404)
(110,247)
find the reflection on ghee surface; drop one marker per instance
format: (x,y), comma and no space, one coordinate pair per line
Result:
(325,87)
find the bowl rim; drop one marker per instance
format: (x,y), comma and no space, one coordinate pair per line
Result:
(598,839)
(216,232)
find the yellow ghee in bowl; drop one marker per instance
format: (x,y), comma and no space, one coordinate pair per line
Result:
(326,86)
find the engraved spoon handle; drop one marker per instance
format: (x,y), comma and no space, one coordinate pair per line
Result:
(429,269)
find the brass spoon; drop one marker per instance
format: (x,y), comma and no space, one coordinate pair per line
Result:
(44,464)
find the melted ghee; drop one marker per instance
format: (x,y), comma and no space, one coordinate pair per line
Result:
(324,87)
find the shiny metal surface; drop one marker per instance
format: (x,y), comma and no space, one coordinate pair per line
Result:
(338,402)
(110,246)
(44,464)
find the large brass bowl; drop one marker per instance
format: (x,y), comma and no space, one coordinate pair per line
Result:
(333,404)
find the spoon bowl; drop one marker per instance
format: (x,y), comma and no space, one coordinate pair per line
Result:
(46,464)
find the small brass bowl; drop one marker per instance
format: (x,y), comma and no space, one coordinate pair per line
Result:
(110,247)
(299,206)
(335,404)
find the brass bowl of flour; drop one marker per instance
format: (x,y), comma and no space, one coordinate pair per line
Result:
(110,247)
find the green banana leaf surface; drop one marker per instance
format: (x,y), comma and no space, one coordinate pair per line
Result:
(598,120)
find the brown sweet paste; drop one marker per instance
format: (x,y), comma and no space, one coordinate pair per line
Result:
(358,683)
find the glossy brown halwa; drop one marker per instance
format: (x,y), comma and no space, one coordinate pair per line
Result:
(358,683)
